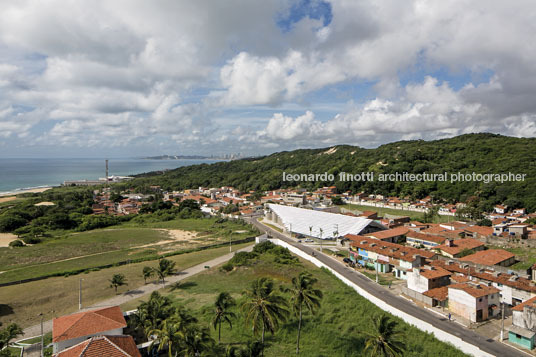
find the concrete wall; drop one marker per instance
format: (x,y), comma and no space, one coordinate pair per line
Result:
(422,325)
(418,296)
(417,282)
(462,304)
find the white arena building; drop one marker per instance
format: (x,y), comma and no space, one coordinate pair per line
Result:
(318,224)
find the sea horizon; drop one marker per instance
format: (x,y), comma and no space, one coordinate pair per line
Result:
(20,174)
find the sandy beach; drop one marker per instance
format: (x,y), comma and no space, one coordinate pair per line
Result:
(31,190)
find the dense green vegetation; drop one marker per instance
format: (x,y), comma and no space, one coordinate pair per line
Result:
(340,325)
(480,153)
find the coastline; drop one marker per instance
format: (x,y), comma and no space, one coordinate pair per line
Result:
(26,190)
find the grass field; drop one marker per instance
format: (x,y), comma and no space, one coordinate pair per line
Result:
(86,250)
(336,330)
(59,295)
(397,212)
(526,254)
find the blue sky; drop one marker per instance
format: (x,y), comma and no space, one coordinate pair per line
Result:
(179,77)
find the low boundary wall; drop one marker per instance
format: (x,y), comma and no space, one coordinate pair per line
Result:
(422,325)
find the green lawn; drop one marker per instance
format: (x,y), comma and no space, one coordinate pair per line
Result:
(87,250)
(397,212)
(526,254)
(336,330)
(58,296)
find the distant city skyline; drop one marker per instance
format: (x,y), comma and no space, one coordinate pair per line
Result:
(138,78)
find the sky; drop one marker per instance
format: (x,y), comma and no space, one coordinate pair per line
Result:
(137,78)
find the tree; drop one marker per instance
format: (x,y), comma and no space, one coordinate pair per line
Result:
(165,268)
(196,341)
(147,273)
(168,335)
(117,280)
(337,200)
(9,333)
(303,294)
(150,314)
(383,339)
(224,302)
(264,308)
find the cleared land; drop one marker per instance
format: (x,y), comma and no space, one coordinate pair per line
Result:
(397,212)
(96,248)
(6,238)
(59,296)
(336,330)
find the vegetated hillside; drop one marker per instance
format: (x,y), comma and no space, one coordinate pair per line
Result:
(480,153)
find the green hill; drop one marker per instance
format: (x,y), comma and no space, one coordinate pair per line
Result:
(480,153)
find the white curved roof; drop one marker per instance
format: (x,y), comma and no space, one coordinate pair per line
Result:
(299,220)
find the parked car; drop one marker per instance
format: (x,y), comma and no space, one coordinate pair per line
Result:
(347,260)
(299,240)
(309,240)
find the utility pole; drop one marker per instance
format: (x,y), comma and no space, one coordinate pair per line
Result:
(80,295)
(502,321)
(42,337)
(230,242)
(376,268)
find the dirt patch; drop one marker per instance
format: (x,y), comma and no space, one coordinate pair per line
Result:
(6,238)
(45,204)
(7,199)
(175,235)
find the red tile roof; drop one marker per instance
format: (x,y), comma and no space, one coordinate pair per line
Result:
(434,272)
(87,323)
(425,237)
(390,233)
(109,346)
(481,230)
(529,302)
(392,250)
(459,245)
(475,290)
(440,294)
(488,257)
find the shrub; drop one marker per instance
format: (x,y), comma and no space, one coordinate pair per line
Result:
(227,267)
(31,240)
(242,258)
(16,243)
(263,247)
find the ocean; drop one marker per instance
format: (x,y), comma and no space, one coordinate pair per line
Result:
(19,174)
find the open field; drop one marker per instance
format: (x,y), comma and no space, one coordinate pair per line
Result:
(336,330)
(59,295)
(86,250)
(397,212)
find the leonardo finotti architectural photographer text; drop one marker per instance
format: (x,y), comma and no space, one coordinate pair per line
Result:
(406,177)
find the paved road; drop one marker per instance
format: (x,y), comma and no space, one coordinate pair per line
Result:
(488,345)
(139,292)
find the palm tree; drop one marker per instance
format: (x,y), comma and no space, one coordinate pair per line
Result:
(264,308)
(310,231)
(147,273)
(383,339)
(10,332)
(195,341)
(152,313)
(303,294)
(165,267)
(117,280)
(167,335)
(223,303)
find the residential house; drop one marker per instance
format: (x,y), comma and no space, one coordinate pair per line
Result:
(72,329)
(491,257)
(395,235)
(427,278)
(500,209)
(478,231)
(423,240)
(385,256)
(116,346)
(473,301)
(455,248)
(523,329)
(518,230)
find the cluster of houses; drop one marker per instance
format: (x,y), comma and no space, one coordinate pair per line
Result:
(92,333)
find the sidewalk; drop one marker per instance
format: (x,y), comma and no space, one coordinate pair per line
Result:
(143,290)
